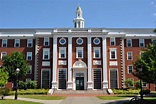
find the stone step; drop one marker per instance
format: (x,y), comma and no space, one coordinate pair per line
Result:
(80,92)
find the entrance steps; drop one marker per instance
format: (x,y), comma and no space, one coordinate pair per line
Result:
(80,92)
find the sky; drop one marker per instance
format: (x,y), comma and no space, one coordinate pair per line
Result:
(60,13)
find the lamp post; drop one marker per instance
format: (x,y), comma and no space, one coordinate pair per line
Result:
(16,88)
(141,94)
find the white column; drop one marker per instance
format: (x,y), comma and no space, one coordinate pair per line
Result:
(54,83)
(90,82)
(69,83)
(104,52)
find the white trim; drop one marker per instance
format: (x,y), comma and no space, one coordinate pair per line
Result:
(46,50)
(129,69)
(4,42)
(99,50)
(16,41)
(112,41)
(29,41)
(141,41)
(64,50)
(46,39)
(95,42)
(129,40)
(113,50)
(79,39)
(131,53)
(49,75)
(29,54)
(79,49)
(64,41)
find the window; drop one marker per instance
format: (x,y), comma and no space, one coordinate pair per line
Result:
(28,79)
(45,78)
(17,43)
(29,43)
(29,55)
(3,54)
(4,42)
(79,52)
(129,43)
(46,41)
(141,43)
(62,52)
(62,41)
(129,56)
(79,41)
(144,84)
(62,78)
(113,53)
(97,52)
(112,41)
(30,69)
(97,79)
(46,53)
(96,41)
(130,69)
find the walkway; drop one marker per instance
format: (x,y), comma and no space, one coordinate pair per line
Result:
(74,100)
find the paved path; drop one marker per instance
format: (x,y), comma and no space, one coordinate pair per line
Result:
(74,100)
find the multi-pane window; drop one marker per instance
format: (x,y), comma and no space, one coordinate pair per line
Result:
(29,55)
(129,56)
(130,69)
(129,42)
(112,41)
(97,79)
(29,43)
(113,53)
(46,41)
(17,43)
(62,52)
(79,52)
(3,54)
(46,53)
(62,78)
(97,52)
(30,69)
(45,78)
(4,42)
(141,43)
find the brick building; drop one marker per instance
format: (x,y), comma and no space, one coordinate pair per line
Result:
(78,58)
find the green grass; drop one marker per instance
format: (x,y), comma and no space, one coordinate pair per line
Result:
(10,101)
(43,97)
(111,97)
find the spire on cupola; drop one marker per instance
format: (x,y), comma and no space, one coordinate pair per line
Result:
(78,21)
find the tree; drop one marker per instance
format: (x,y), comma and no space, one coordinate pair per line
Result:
(146,62)
(12,62)
(3,76)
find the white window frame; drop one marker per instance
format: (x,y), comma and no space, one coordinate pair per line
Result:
(112,40)
(128,67)
(99,49)
(46,39)
(60,50)
(129,54)
(111,50)
(29,41)
(77,49)
(141,41)
(29,54)
(77,41)
(127,41)
(94,41)
(4,41)
(16,41)
(30,69)
(2,54)
(46,50)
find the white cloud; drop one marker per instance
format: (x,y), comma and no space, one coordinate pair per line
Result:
(154,14)
(152,3)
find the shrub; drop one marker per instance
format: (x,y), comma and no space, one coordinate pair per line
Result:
(4,91)
(31,84)
(145,92)
(129,83)
(137,84)
(22,85)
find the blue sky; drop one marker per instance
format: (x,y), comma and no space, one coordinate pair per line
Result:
(60,13)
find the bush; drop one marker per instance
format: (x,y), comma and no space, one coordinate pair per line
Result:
(22,85)
(145,92)
(137,84)
(31,84)
(129,83)
(4,91)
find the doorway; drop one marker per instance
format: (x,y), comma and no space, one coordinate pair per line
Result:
(79,83)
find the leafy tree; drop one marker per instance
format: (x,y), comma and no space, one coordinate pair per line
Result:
(12,62)
(3,76)
(147,63)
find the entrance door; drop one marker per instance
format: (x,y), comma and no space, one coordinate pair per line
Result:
(79,83)
(113,78)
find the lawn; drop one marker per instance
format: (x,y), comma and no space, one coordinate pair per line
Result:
(111,97)
(10,101)
(43,97)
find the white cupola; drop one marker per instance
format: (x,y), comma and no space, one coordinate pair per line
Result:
(78,21)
